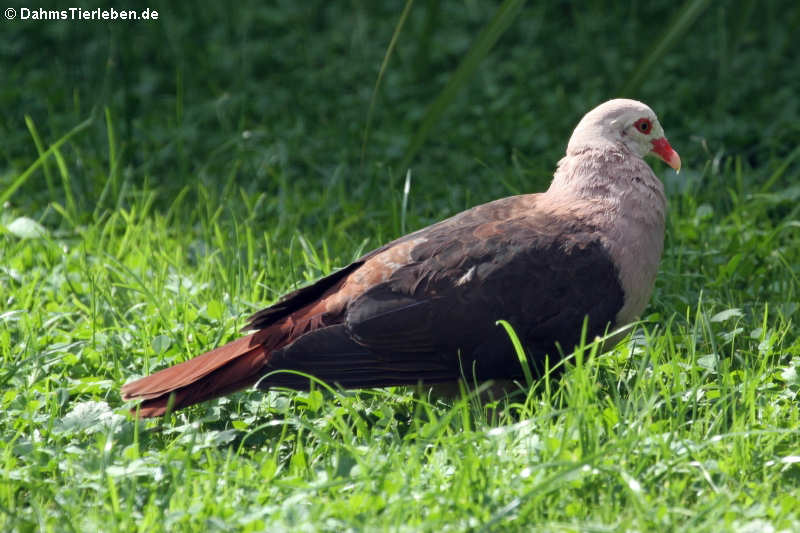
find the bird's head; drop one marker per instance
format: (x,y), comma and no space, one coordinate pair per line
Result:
(624,123)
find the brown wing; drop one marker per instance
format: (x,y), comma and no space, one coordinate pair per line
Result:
(325,286)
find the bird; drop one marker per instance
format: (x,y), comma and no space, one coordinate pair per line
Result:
(578,259)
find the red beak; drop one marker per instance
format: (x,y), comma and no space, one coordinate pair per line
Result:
(663,150)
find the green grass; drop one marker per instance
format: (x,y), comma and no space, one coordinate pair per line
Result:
(160,181)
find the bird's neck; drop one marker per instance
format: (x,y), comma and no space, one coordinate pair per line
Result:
(619,195)
(617,182)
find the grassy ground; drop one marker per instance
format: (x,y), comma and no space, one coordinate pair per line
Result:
(222,165)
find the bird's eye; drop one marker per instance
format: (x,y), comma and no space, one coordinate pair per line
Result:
(643,124)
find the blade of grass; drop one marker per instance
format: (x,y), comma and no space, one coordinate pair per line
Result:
(112,181)
(520,351)
(66,180)
(489,35)
(48,175)
(386,57)
(404,206)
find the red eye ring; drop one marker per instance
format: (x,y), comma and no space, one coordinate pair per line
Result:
(644,125)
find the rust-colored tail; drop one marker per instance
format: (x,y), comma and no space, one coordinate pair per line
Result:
(223,370)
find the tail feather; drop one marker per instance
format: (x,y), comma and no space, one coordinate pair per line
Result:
(223,370)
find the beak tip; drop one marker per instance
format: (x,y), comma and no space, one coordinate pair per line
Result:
(675,162)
